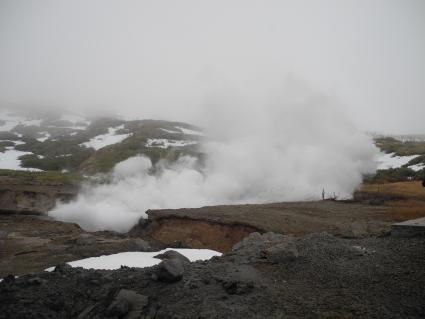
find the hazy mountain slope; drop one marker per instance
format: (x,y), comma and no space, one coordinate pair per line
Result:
(401,159)
(73,143)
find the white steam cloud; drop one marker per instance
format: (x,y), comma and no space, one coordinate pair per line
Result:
(285,148)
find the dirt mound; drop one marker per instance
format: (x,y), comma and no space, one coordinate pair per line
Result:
(32,193)
(194,233)
(265,276)
(31,243)
(220,227)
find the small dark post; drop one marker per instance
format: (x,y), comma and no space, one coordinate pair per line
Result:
(323,194)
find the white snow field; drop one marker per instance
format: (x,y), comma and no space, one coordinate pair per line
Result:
(78,122)
(138,259)
(44,138)
(386,161)
(165,143)
(183,130)
(9,159)
(417,167)
(169,131)
(191,132)
(10,121)
(109,138)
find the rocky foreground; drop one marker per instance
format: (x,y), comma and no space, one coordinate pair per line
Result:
(264,276)
(30,243)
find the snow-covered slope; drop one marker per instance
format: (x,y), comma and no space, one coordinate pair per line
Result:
(71,142)
(386,161)
(138,259)
(109,138)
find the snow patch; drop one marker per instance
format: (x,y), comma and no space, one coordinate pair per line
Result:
(109,138)
(73,118)
(390,160)
(11,121)
(165,143)
(417,167)
(78,122)
(9,159)
(138,259)
(191,132)
(169,131)
(44,138)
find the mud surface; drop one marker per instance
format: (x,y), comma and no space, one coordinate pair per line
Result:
(32,243)
(32,198)
(265,276)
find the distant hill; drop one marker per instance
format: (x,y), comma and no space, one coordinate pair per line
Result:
(402,159)
(73,143)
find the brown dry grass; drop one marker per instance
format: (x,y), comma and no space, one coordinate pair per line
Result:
(407,189)
(406,209)
(410,208)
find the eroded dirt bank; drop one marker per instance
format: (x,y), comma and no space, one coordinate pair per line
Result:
(220,227)
(30,243)
(265,276)
(193,232)
(32,197)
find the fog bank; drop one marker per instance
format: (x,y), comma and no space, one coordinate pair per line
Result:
(285,146)
(145,58)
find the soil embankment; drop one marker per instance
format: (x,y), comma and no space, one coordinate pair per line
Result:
(220,227)
(31,243)
(372,212)
(28,196)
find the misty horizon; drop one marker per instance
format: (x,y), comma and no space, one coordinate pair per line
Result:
(164,60)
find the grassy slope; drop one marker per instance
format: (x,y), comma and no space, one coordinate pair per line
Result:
(106,158)
(64,152)
(39,178)
(413,204)
(391,145)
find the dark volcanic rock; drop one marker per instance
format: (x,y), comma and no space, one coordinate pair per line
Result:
(170,270)
(63,268)
(138,244)
(239,280)
(265,276)
(172,254)
(127,304)
(282,252)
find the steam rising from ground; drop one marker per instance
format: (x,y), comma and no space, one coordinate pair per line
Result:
(286,148)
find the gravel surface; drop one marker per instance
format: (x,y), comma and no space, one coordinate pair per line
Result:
(265,276)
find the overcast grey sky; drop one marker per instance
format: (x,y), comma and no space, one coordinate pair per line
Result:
(157,58)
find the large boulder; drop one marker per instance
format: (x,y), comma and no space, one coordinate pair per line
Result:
(239,280)
(138,244)
(63,268)
(282,252)
(127,304)
(170,270)
(172,254)
(272,247)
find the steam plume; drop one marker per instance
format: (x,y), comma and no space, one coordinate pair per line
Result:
(287,145)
